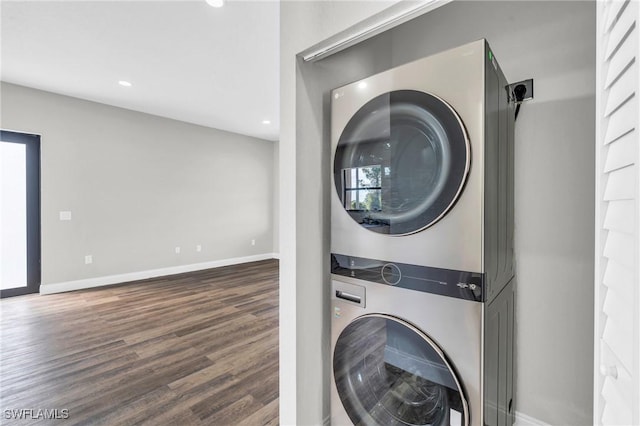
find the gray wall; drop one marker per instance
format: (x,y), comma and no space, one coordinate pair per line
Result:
(139,185)
(276,199)
(553,43)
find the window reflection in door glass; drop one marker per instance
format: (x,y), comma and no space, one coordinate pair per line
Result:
(362,187)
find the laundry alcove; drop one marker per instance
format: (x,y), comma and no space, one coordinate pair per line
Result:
(553,190)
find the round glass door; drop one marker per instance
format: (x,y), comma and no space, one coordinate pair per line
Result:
(389,373)
(401,162)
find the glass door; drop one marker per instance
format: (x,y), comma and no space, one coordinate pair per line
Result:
(19,213)
(389,373)
(401,162)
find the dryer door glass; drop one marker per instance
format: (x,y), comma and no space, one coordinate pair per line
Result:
(401,162)
(388,372)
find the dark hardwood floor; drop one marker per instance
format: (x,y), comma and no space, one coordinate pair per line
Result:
(193,349)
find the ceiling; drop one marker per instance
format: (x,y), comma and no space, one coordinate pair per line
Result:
(216,67)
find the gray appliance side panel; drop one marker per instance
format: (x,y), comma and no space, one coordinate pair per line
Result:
(499,359)
(498,205)
(508,113)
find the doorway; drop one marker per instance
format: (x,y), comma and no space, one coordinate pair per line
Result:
(19,213)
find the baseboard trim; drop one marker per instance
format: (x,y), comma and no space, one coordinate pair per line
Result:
(525,420)
(143,275)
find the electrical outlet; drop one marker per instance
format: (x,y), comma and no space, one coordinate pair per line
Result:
(253,242)
(65,215)
(198,247)
(177,250)
(520,91)
(88,259)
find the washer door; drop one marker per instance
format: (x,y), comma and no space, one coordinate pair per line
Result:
(387,372)
(401,162)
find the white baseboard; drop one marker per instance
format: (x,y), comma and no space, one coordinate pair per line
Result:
(524,420)
(143,275)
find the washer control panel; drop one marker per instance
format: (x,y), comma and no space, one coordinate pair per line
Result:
(459,284)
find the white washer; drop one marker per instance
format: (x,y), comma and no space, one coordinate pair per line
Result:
(422,244)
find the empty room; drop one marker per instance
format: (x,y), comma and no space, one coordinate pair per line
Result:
(157,270)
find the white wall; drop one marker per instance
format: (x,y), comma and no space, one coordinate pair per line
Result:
(276,198)
(554,185)
(139,185)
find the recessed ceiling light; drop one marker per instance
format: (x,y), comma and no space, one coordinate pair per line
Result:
(362,85)
(124,83)
(266,121)
(215,3)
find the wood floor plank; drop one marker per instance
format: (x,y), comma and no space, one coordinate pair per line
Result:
(265,416)
(248,382)
(135,411)
(199,348)
(234,412)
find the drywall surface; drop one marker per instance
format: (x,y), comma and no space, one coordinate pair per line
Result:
(138,186)
(276,198)
(554,183)
(304,333)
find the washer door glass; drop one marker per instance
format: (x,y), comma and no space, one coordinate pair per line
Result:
(389,373)
(401,162)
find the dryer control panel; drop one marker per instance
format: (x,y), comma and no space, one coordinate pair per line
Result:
(446,282)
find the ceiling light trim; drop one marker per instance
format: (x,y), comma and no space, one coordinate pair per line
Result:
(370,27)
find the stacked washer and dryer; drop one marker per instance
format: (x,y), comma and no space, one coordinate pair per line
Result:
(422,244)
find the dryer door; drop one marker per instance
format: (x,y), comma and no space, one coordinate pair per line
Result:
(401,162)
(387,372)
